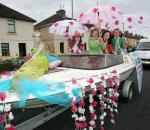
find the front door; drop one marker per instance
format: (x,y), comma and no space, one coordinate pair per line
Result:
(22,49)
(61,47)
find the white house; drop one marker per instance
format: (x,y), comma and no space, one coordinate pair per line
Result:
(15,33)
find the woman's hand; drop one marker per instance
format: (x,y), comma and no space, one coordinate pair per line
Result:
(101,39)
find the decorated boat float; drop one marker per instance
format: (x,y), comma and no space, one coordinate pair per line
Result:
(82,76)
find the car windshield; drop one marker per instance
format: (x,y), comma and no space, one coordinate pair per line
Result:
(143,46)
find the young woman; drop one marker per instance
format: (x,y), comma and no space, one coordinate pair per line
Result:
(95,42)
(117,42)
(76,45)
(107,42)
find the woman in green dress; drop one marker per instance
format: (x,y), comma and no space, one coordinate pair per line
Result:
(95,43)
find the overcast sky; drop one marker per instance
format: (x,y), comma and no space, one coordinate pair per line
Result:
(41,9)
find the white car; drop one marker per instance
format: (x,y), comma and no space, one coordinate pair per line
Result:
(143,50)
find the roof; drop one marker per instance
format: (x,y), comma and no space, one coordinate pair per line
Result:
(11,13)
(50,20)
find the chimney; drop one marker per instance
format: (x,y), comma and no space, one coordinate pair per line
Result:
(61,13)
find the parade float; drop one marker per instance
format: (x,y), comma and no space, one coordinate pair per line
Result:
(107,75)
(101,78)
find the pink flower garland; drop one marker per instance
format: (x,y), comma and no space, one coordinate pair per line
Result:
(80,120)
(103,99)
(108,97)
(113,94)
(93,103)
(5,114)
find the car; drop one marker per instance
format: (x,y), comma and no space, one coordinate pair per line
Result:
(143,50)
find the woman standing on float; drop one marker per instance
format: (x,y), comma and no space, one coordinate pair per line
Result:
(76,44)
(95,42)
(107,42)
(118,43)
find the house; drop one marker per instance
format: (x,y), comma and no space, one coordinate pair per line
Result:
(58,43)
(132,39)
(15,33)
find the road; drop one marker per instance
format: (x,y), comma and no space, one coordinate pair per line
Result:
(132,116)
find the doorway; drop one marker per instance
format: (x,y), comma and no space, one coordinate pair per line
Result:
(22,49)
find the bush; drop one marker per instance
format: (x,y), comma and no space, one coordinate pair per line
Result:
(10,64)
(6,65)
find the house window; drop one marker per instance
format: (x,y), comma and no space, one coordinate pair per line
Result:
(5,49)
(11,25)
(61,47)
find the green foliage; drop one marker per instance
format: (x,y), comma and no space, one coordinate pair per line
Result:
(6,65)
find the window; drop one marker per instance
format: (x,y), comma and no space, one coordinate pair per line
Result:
(11,25)
(61,47)
(5,49)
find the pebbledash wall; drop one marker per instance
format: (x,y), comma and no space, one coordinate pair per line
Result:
(23,34)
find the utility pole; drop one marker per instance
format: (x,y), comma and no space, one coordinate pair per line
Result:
(72,8)
(97,4)
(140,32)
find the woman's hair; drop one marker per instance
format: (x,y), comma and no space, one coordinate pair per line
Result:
(47,46)
(109,40)
(95,29)
(117,29)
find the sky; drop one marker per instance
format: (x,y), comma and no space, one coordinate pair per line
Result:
(42,9)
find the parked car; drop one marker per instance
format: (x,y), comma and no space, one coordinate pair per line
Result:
(143,50)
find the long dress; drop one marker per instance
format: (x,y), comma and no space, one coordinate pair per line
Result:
(26,82)
(34,68)
(95,47)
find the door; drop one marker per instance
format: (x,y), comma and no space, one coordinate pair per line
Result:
(22,49)
(61,47)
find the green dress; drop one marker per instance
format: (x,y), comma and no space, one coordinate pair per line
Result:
(95,47)
(34,68)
